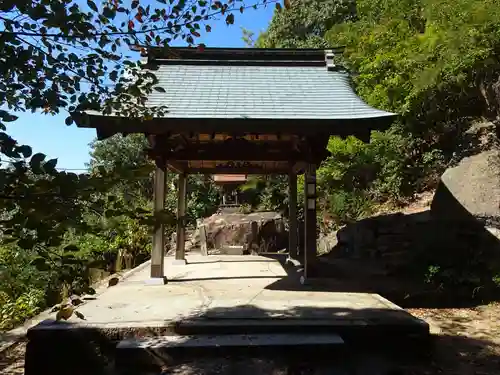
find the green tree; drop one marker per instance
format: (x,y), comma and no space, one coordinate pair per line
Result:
(71,56)
(431,61)
(305,23)
(125,156)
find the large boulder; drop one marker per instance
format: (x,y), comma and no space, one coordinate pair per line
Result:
(192,241)
(238,233)
(255,232)
(387,237)
(470,190)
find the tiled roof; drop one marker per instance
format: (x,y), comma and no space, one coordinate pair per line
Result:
(230,178)
(258,92)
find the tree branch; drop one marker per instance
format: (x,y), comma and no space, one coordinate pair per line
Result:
(95,83)
(131,33)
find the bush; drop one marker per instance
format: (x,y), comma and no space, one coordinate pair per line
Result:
(22,287)
(459,259)
(348,207)
(15,311)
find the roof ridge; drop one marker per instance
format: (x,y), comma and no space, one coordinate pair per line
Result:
(240,54)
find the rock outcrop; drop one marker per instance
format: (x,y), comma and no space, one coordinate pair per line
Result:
(462,222)
(252,233)
(471,190)
(255,232)
(389,238)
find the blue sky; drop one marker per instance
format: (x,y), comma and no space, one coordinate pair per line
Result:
(69,144)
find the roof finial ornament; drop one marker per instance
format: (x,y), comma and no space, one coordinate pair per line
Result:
(330,61)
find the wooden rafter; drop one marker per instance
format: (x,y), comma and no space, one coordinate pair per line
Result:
(233,154)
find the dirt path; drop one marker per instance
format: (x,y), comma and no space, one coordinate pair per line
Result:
(467,343)
(12,361)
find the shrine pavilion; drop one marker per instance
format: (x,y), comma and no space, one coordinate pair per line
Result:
(244,111)
(229,184)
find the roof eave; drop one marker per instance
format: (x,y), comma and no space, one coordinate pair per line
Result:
(106,126)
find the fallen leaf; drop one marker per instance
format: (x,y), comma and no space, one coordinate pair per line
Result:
(79,315)
(113,281)
(65,312)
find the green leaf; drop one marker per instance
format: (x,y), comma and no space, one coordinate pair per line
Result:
(40,264)
(109,13)
(79,315)
(25,150)
(68,121)
(36,161)
(26,243)
(71,248)
(230,19)
(159,89)
(7,117)
(50,165)
(92,5)
(109,213)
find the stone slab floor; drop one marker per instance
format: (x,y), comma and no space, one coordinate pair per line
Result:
(244,287)
(228,290)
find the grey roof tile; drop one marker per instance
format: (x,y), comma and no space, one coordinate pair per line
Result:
(258,92)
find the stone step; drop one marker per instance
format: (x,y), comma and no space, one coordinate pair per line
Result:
(154,353)
(350,329)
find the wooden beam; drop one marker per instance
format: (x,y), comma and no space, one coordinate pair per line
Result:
(342,127)
(235,155)
(240,150)
(238,170)
(176,167)
(158,246)
(299,167)
(310,251)
(180,257)
(292,216)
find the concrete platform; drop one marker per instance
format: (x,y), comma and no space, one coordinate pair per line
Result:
(229,288)
(219,295)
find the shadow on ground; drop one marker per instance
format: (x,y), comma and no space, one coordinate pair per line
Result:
(384,349)
(443,257)
(466,252)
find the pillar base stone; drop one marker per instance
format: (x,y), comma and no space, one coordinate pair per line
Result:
(179,262)
(156,281)
(303,280)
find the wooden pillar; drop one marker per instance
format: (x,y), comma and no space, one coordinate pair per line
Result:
(180,256)
(292,218)
(158,250)
(310,251)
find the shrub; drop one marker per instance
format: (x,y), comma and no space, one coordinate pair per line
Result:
(16,311)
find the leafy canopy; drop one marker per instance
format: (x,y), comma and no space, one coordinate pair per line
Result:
(304,24)
(67,56)
(430,60)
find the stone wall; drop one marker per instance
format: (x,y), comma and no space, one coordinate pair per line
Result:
(464,212)
(383,237)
